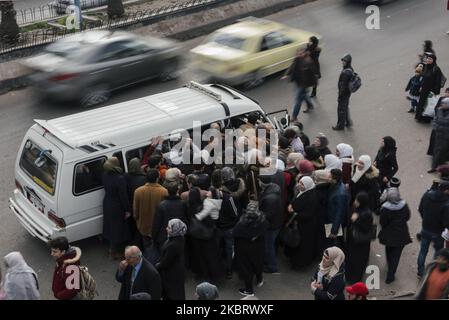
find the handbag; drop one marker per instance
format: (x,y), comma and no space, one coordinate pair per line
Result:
(199,230)
(429,110)
(362,237)
(290,236)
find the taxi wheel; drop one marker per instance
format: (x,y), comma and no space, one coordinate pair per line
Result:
(255,79)
(95,96)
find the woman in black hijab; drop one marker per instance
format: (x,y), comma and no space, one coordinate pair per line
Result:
(315,51)
(386,161)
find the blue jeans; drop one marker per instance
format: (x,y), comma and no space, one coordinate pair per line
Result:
(426,239)
(270,260)
(228,240)
(301,95)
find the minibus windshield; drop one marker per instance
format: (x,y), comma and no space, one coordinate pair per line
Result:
(39,165)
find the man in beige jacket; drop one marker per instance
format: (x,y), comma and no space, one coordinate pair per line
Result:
(146,200)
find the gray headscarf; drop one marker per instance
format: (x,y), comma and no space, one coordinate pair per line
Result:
(227,174)
(134,166)
(20,279)
(206,291)
(394,200)
(177,228)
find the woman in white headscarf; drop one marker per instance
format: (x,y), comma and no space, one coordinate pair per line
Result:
(171,266)
(365,179)
(345,153)
(329,280)
(332,162)
(304,206)
(20,280)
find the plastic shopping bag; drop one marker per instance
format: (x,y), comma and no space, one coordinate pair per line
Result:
(429,110)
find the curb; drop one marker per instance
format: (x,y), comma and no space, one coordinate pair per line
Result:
(23,80)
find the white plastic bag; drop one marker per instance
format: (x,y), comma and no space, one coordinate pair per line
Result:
(429,110)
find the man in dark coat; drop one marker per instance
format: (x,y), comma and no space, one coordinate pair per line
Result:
(344,93)
(270,205)
(302,73)
(432,135)
(315,52)
(434,210)
(136,275)
(234,200)
(249,247)
(172,265)
(431,84)
(116,207)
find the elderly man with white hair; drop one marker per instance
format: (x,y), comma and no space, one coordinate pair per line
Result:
(137,275)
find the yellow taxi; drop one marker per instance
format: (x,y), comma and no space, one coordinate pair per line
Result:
(248,51)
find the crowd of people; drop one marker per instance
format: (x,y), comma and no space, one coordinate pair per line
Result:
(224,219)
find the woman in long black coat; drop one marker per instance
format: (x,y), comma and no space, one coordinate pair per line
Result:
(116,207)
(394,235)
(135,178)
(365,179)
(386,161)
(322,180)
(305,205)
(249,247)
(172,264)
(357,253)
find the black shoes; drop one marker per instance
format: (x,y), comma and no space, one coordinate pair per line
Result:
(336,128)
(432,170)
(389,280)
(411,110)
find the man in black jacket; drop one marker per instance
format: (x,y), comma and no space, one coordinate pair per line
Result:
(270,205)
(434,210)
(234,200)
(302,72)
(344,93)
(137,275)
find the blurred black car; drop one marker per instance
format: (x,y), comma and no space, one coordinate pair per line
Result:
(89,65)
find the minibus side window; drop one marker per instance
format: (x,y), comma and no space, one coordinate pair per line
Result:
(88,176)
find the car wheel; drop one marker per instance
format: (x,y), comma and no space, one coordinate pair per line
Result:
(254,79)
(95,96)
(170,72)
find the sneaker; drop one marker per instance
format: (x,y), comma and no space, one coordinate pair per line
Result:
(260,284)
(245,293)
(337,128)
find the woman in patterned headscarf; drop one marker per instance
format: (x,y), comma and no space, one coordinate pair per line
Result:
(171,266)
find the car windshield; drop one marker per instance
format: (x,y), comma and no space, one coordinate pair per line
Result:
(71,50)
(39,165)
(228,40)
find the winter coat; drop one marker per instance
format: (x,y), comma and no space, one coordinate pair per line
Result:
(337,207)
(441,121)
(368,183)
(322,191)
(60,291)
(20,281)
(147,280)
(171,269)
(333,288)
(115,205)
(249,246)
(414,85)
(386,163)
(170,208)
(302,72)
(422,286)
(306,206)
(146,200)
(233,197)
(270,205)
(134,181)
(345,78)
(393,219)
(211,209)
(315,56)
(431,79)
(434,210)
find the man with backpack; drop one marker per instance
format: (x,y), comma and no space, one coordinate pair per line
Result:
(347,83)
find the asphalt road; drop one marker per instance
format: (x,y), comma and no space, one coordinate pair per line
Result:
(384,58)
